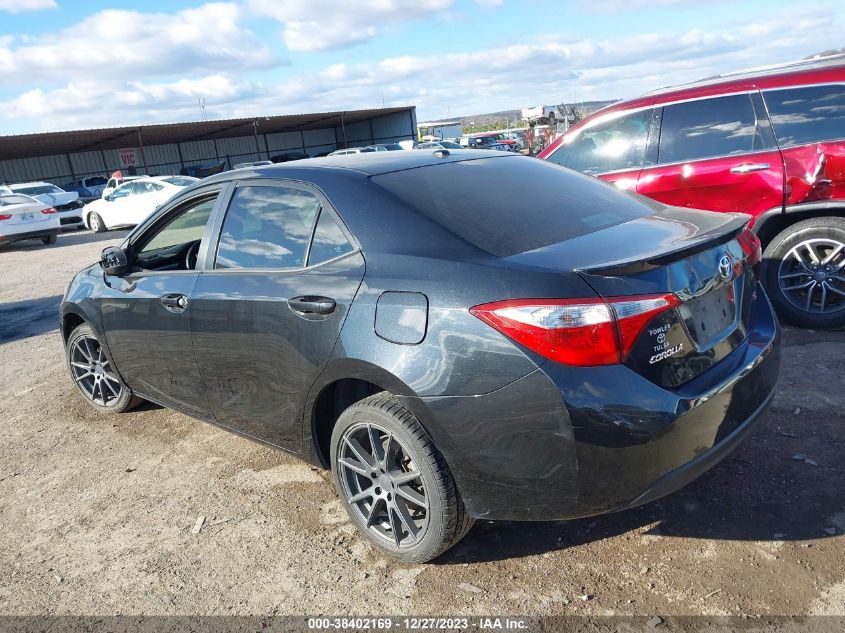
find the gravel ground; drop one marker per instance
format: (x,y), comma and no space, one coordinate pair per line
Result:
(97,512)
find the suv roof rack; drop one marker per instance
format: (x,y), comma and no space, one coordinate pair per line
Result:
(816,60)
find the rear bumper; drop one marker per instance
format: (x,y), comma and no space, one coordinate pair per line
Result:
(568,442)
(29,235)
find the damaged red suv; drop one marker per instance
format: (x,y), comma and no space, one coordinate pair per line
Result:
(770,143)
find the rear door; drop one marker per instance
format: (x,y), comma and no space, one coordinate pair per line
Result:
(267,311)
(718,154)
(612,147)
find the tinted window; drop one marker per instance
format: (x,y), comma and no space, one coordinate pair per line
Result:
(267,227)
(9,199)
(608,145)
(514,204)
(121,192)
(187,226)
(38,190)
(329,241)
(807,115)
(708,128)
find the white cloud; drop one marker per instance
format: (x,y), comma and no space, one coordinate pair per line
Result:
(118,44)
(320,25)
(489,4)
(19,6)
(551,70)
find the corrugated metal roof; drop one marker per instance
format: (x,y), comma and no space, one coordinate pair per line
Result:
(50,143)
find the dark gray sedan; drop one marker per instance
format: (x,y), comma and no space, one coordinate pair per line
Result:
(457,335)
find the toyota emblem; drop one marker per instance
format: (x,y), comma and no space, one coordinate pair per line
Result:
(726,267)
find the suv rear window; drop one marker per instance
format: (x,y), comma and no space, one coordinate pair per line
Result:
(515,203)
(708,128)
(807,115)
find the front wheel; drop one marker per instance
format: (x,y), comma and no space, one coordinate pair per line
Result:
(96,223)
(804,273)
(94,375)
(393,481)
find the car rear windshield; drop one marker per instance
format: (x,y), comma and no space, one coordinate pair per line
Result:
(9,200)
(512,204)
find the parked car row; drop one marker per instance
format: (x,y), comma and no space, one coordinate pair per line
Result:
(23,217)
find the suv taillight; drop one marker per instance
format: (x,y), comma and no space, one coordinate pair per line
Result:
(579,332)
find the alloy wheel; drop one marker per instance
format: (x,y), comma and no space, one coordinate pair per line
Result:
(382,484)
(92,371)
(94,221)
(811,276)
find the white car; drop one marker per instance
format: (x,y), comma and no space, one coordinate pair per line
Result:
(66,203)
(25,218)
(132,202)
(352,150)
(114,183)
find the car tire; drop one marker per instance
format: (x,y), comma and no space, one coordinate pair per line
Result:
(49,239)
(82,349)
(411,458)
(791,276)
(96,223)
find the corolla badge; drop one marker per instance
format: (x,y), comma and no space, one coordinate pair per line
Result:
(726,268)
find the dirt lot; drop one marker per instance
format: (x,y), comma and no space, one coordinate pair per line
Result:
(96,513)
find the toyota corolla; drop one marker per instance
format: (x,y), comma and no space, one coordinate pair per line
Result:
(456,334)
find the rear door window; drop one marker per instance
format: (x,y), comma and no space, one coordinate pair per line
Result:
(808,114)
(267,227)
(329,241)
(709,128)
(610,144)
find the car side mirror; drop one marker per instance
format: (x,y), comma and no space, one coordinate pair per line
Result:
(114,261)
(107,197)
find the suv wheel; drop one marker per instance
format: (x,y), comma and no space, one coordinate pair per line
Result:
(805,273)
(93,374)
(393,481)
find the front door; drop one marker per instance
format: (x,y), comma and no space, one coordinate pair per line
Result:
(717,154)
(146,312)
(267,311)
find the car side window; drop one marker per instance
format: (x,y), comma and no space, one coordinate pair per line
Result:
(608,145)
(329,241)
(808,114)
(121,192)
(267,227)
(708,128)
(180,230)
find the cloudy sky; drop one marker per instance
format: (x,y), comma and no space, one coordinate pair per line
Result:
(67,65)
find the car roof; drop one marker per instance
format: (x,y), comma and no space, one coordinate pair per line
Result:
(366,164)
(35,183)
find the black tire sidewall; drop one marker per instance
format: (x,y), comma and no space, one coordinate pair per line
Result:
(778,248)
(431,543)
(126,400)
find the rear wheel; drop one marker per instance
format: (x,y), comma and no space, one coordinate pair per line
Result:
(805,273)
(94,375)
(394,482)
(49,239)
(96,223)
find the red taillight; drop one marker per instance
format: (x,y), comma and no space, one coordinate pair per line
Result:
(750,244)
(48,211)
(5,216)
(579,332)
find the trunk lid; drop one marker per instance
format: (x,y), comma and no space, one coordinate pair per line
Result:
(694,255)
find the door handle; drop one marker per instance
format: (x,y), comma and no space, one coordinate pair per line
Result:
(747,168)
(175,303)
(309,305)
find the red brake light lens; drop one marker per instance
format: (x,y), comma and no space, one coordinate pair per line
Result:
(579,332)
(750,244)
(5,216)
(48,211)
